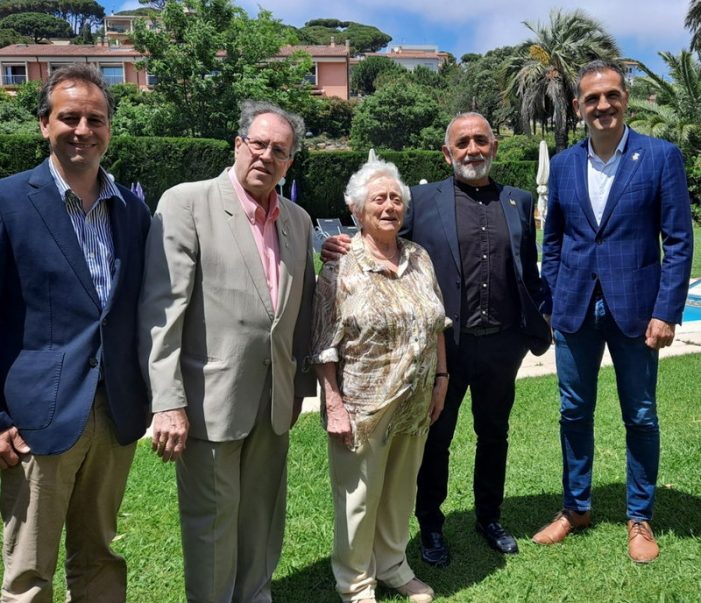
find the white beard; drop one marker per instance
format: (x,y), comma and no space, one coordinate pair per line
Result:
(470,172)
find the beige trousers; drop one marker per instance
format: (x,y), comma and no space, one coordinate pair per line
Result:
(374,489)
(81,488)
(232,498)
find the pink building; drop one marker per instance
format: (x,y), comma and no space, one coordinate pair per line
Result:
(20,63)
(330,71)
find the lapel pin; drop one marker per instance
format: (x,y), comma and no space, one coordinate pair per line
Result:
(512,202)
(636,156)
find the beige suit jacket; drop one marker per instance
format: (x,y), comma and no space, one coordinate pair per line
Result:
(208,334)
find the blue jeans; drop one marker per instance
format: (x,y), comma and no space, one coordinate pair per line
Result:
(578,356)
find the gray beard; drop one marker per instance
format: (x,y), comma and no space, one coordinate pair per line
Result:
(469,172)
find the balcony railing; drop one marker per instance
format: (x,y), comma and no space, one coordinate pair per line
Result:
(113,79)
(9,79)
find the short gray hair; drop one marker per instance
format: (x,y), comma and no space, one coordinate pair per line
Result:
(463,116)
(250,109)
(357,189)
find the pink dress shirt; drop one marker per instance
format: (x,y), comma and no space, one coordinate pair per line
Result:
(264,233)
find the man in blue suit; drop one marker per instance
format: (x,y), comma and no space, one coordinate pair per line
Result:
(480,236)
(612,198)
(72,399)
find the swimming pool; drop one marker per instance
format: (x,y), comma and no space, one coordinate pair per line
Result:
(692,310)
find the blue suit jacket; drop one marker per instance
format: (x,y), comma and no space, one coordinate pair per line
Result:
(430,221)
(54,338)
(649,199)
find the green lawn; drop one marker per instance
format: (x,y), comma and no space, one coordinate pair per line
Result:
(588,567)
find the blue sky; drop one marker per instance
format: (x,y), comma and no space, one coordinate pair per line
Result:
(641,27)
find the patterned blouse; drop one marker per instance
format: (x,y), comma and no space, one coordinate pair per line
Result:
(381,329)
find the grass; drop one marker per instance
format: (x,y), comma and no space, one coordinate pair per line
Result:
(588,567)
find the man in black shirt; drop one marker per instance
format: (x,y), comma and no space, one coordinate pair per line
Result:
(480,236)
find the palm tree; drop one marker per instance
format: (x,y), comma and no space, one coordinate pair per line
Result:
(693,23)
(542,74)
(675,112)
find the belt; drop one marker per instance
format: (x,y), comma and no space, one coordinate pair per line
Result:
(481,331)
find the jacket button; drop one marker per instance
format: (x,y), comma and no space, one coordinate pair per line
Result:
(266,362)
(92,362)
(104,322)
(599,241)
(593,276)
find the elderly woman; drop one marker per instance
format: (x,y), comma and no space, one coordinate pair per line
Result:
(379,354)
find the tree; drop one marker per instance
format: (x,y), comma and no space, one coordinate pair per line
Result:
(210,57)
(363,38)
(675,113)
(475,85)
(77,13)
(10,36)
(542,75)
(365,73)
(693,23)
(38,26)
(331,116)
(399,115)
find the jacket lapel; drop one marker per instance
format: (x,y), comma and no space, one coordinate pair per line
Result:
(243,239)
(445,201)
(513,224)
(630,161)
(52,209)
(120,228)
(581,182)
(284,241)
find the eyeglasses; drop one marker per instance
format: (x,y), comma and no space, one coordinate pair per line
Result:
(258,147)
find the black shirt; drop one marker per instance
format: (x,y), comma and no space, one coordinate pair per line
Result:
(489,295)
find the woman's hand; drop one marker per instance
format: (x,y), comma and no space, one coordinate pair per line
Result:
(338,424)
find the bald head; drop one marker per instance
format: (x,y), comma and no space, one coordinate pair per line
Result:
(470,147)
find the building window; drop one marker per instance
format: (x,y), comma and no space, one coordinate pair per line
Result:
(310,78)
(151,80)
(113,74)
(14,74)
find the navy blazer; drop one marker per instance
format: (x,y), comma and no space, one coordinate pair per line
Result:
(54,337)
(649,199)
(430,221)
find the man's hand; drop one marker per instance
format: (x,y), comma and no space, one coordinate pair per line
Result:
(659,334)
(169,433)
(334,247)
(11,446)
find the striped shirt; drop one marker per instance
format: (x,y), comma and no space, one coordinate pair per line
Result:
(93,229)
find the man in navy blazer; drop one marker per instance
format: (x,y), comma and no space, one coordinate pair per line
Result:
(480,236)
(72,399)
(612,199)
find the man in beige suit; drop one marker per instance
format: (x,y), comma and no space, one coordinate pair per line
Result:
(225,327)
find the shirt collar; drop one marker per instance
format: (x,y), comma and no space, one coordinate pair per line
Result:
(253,210)
(619,149)
(108,189)
(369,264)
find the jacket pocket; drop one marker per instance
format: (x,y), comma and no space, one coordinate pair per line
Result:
(31,388)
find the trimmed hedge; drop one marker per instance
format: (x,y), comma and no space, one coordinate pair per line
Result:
(157,163)
(321,176)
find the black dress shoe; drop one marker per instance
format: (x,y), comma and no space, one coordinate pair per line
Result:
(434,550)
(497,537)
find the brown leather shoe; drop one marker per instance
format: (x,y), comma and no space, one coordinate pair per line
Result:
(642,547)
(564,522)
(417,591)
